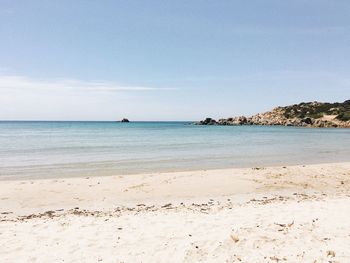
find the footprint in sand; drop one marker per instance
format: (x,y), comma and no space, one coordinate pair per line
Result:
(138,187)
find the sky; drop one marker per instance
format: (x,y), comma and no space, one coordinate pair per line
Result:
(169,60)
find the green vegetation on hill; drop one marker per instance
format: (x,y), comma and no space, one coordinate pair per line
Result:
(344,116)
(317,110)
(310,114)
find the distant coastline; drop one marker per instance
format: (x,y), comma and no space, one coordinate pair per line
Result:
(311,114)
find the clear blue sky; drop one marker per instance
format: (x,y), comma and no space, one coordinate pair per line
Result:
(169,60)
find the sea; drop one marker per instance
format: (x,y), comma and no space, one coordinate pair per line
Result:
(52,149)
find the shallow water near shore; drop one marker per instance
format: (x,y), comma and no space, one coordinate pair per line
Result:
(55,149)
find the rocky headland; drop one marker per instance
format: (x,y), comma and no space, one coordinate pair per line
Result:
(310,114)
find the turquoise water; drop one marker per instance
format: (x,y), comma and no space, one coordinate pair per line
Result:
(52,149)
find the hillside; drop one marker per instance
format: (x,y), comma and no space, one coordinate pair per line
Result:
(310,114)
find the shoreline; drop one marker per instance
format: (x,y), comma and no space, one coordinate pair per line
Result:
(8,178)
(153,187)
(260,214)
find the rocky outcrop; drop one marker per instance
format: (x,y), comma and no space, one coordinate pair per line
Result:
(125,120)
(312,114)
(208,121)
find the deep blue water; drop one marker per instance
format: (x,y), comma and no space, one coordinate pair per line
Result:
(51,149)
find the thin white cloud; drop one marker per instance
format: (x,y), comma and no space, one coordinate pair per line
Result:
(14,82)
(24,98)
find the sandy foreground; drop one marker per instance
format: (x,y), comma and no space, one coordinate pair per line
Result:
(277,214)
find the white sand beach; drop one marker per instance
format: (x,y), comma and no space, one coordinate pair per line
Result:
(276,214)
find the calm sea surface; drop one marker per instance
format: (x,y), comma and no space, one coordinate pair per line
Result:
(52,149)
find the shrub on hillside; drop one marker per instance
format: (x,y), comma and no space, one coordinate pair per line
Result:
(344,116)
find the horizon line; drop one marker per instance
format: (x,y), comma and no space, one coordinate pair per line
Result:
(96,121)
